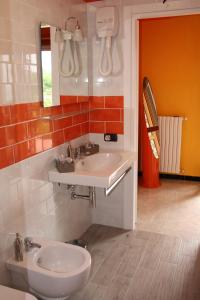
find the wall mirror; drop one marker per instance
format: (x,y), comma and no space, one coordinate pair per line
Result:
(64,64)
(151,117)
(49,51)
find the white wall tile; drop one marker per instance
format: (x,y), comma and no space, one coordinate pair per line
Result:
(19,39)
(6,73)
(5,29)
(5,51)
(78,85)
(110,85)
(31,205)
(6,94)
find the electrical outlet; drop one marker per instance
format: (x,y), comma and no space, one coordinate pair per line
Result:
(110,137)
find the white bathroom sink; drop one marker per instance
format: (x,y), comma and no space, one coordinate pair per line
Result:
(98,170)
(98,162)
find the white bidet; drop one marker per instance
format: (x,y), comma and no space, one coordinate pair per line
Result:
(54,271)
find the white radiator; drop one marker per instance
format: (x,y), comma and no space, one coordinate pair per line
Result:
(170,130)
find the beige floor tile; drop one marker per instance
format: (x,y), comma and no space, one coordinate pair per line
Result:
(160,260)
(173,209)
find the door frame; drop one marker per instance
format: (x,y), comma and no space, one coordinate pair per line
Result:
(131,17)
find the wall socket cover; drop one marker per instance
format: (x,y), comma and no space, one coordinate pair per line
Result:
(110,137)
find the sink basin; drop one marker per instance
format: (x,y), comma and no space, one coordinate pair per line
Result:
(55,271)
(98,162)
(99,170)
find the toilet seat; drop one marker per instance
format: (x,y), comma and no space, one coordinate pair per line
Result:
(8,293)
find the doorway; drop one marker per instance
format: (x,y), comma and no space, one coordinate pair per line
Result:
(169,50)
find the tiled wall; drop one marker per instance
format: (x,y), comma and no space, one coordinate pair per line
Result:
(107,114)
(29,203)
(33,206)
(111,85)
(28,129)
(20,47)
(20,78)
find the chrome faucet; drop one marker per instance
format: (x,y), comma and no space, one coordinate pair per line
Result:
(29,244)
(78,152)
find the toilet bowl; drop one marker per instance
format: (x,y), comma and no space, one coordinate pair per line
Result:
(8,294)
(54,271)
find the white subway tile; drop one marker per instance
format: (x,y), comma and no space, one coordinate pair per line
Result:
(30,204)
(5,29)
(6,93)
(5,51)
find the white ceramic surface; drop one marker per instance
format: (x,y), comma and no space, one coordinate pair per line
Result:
(7,293)
(54,271)
(61,259)
(100,170)
(98,162)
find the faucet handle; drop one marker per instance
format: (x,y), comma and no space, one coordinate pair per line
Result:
(27,243)
(28,239)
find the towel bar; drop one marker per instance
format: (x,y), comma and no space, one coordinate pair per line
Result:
(109,190)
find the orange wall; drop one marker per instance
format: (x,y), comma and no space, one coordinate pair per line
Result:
(170,58)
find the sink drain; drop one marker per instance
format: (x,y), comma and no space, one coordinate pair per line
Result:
(78,242)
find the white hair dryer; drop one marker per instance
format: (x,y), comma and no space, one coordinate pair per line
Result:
(106,26)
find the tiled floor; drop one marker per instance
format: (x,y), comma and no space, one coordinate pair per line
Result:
(145,264)
(141,265)
(173,209)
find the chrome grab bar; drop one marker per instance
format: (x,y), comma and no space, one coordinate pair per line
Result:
(108,191)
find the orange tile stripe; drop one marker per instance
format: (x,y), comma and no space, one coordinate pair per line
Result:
(106,114)
(26,130)
(91,0)
(73,99)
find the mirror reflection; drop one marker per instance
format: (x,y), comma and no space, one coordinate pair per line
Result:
(70,37)
(50,65)
(151,117)
(64,65)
